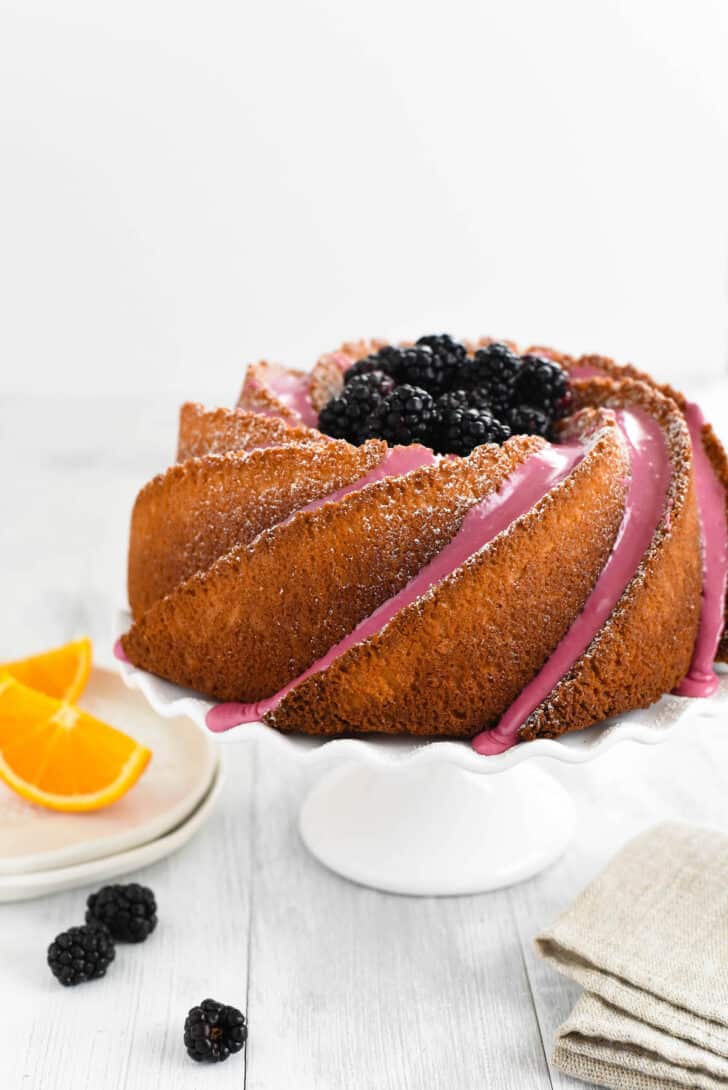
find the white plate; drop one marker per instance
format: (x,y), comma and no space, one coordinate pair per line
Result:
(179,775)
(23,887)
(647,726)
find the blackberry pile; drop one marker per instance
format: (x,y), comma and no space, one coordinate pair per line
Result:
(128,913)
(436,394)
(113,914)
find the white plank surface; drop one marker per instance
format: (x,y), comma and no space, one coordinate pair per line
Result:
(344,987)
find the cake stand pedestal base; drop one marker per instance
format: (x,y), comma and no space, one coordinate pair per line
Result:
(436,829)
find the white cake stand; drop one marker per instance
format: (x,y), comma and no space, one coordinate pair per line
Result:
(434,817)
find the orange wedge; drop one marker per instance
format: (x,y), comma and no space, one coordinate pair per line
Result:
(62,672)
(60,757)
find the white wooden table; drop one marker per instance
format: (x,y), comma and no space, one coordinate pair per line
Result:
(344,988)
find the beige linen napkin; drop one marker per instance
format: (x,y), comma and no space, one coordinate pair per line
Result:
(648,940)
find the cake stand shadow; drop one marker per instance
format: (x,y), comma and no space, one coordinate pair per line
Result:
(431,818)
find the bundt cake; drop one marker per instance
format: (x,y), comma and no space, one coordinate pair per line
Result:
(439,538)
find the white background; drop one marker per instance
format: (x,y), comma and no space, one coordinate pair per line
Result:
(183,189)
(186,187)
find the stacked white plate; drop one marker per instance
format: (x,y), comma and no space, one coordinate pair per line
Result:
(42,851)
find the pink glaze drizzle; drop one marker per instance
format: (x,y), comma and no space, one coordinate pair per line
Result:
(587,372)
(644,507)
(701,679)
(293,391)
(518,494)
(119,652)
(395,463)
(342,360)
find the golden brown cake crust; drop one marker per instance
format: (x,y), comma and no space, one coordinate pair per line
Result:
(218,431)
(264,612)
(646,647)
(187,517)
(451,662)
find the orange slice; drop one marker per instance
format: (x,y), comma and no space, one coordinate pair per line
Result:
(62,672)
(60,757)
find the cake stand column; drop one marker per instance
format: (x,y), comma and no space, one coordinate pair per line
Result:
(435,829)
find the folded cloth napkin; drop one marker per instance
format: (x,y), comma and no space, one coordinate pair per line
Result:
(648,940)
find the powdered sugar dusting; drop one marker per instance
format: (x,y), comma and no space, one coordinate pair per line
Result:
(195,512)
(219,431)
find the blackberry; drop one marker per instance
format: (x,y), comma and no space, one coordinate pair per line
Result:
(564,405)
(213,1031)
(495,364)
(525,420)
(346,416)
(541,382)
(462,430)
(376,381)
(390,360)
(453,399)
(129,912)
(390,353)
(494,369)
(449,355)
(420,367)
(477,398)
(443,344)
(500,402)
(80,954)
(480,398)
(366,366)
(405,416)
